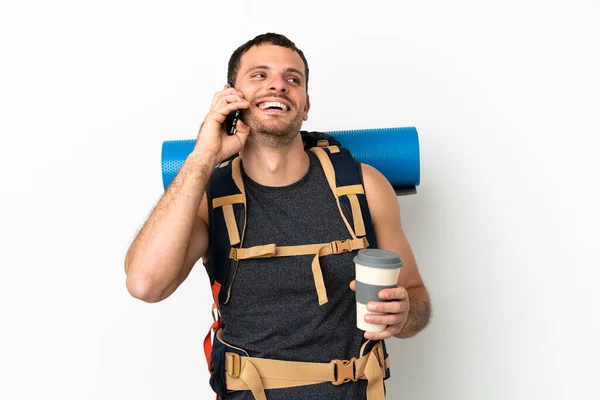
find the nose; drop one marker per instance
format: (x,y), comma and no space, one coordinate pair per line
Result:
(277,83)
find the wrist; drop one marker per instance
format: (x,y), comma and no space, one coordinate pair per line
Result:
(204,158)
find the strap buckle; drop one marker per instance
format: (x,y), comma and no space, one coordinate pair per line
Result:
(233,364)
(343,371)
(233,254)
(341,246)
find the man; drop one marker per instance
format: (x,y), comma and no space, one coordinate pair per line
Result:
(271,311)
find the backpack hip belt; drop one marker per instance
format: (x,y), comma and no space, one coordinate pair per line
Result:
(258,374)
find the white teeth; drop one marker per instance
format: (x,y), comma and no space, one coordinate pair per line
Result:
(267,104)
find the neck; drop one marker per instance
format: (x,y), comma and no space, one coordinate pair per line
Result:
(275,166)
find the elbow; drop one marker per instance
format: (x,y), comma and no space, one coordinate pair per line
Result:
(138,284)
(145,281)
(142,288)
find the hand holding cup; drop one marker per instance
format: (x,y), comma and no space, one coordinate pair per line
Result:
(381,305)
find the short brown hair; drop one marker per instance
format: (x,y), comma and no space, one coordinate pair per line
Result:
(265,38)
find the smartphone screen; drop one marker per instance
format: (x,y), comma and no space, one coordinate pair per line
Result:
(231,120)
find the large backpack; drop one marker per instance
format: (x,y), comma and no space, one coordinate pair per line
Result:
(227,223)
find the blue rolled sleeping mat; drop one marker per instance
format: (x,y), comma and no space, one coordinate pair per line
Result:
(392,151)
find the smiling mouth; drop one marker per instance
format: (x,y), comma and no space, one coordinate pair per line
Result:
(272,105)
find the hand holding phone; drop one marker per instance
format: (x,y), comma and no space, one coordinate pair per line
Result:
(224,115)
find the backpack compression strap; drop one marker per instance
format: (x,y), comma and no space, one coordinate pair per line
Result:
(320,249)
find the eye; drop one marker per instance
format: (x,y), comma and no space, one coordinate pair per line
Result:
(259,75)
(294,80)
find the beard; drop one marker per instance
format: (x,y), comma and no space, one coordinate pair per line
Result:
(272,131)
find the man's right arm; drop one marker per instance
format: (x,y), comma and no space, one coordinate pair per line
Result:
(174,237)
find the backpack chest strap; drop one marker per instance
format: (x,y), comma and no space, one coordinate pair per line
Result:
(319,250)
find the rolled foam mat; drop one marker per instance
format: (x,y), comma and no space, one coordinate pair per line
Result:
(392,151)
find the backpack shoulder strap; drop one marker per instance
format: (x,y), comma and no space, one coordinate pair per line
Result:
(227,220)
(317,139)
(344,175)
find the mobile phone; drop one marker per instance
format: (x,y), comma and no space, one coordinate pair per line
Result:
(231,120)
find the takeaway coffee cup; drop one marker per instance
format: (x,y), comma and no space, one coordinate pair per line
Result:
(375,270)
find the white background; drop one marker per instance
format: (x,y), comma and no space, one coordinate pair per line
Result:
(505,97)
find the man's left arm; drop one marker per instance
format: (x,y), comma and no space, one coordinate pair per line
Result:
(408,305)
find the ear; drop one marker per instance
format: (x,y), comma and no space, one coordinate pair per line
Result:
(306,108)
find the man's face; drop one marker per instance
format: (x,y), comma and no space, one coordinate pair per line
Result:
(273,80)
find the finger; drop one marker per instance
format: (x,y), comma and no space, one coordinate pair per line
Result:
(222,100)
(385,319)
(398,293)
(228,108)
(353,285)
(384,334)
(242,129)
(393,307)
(220,114)
(228,91)
(232,98)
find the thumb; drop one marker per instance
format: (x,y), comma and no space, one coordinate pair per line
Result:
(242,131)
(353,285)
